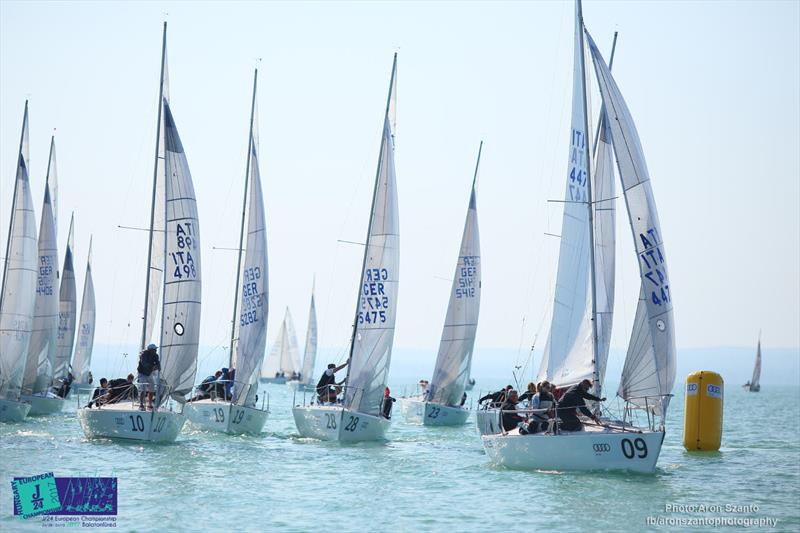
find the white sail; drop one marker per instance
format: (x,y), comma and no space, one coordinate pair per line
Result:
(373,331)
(755,382)
(253,299)
(458,336)
(82,360)
(650,363)
(67,310)
(17,298)
(604,206)
(310,353)
(42,348)
(568,355)
(180,312)
(285,353)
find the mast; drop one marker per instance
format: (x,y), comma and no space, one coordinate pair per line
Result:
(155,186)
(13,204)
(244,211)
(371,215)
(589,206)
(477,166)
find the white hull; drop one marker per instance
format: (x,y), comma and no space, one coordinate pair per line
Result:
(277,381)
(580,450)
(338,424)
(125,422)
(226,417)
(416,411)
(13,411)
(299,386)
(488,421)
(43,405)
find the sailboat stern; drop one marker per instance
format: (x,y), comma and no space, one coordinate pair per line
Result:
(226,417)
(43,404)
(13,411)
(125,422)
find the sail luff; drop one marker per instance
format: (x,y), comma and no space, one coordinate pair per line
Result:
(67,309)
(86,329)
(454,359)
(310,351)
(754,383)
(52,180)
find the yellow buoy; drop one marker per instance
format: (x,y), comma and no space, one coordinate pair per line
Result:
(702,421)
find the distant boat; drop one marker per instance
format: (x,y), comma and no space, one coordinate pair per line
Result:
(443,402)
(306,380)
(240,413)
(577,346)
(364,413)
(173,268)
(38,380)
(754,385)
(82,360)
(283,360)
(18,294)
(67,313)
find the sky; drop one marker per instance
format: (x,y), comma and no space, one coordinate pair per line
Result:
(714,89)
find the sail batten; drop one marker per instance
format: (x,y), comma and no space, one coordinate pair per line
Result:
(461,322)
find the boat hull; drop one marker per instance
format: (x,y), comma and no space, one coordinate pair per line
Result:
(432,414)
(580,450)
(298,386)
(277,381)
(226,417)
(43,405)
(13,411)
(124,422)
(338,424)
(488,421)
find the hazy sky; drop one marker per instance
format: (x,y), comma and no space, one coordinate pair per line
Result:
(713,88)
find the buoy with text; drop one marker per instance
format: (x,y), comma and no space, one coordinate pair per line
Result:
(702,421)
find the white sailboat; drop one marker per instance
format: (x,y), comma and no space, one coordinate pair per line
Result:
(363,414)
(67,312)
(754,385)
(173,268)
(283,361)
(306,380)
(649,370)
(82,361)
(18,294)
(38,379)
(442,404)
(239,413)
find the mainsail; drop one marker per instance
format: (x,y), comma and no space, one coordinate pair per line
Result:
(253,301)
(82,360)
(17,297)
(67,309)
(376,310)
(754,383)
(569,355)
(310,354)
(285,354)
(650,363)
(42,348)
(458,335)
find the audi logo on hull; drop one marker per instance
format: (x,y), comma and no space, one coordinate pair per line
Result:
(601,448)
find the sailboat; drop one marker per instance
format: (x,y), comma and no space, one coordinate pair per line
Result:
(173,277)
(67,313)
(577,346)
(754,385)
(239,413)
(306,379)
(18,294)
(363,413)
(82,361)
(42,349)
(442,403)
(283,361)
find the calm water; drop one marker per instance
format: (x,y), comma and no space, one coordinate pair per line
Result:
(423,479)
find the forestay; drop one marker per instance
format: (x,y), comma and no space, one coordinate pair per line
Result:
(310,353)
(17,297)
(180,313)
(82,360)
(568,355)
(650,363)
(254,289)
(42,349)
(458,336)
(376,311)
(67,309)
